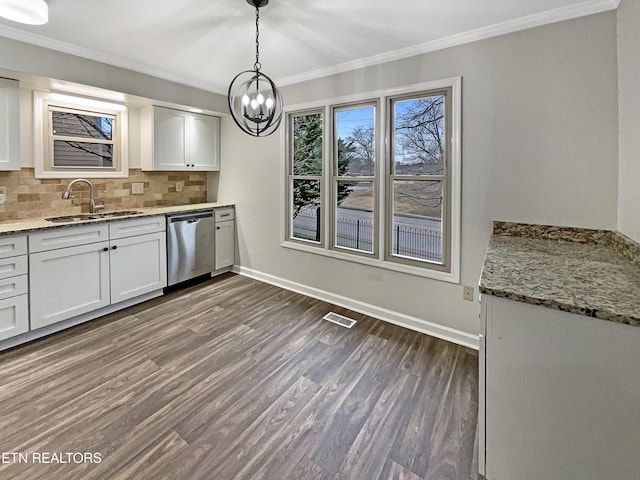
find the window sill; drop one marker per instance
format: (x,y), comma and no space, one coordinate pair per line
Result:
(453,277)
(80,174)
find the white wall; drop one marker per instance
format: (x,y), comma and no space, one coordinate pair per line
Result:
(629,106)
(539,145)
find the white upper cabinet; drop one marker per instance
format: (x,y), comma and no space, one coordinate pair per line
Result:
(177,140)
(9,125)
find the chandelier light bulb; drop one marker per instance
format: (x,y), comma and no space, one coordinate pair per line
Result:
(269,102)
(245,99)
(260,99)
(254,103)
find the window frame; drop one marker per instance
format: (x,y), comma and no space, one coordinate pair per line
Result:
(451,271)
(44,106)
(374,179)
(445,178)
(291,176)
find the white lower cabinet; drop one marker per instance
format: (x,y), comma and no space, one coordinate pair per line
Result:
(138,265)
(559,396)
(85,277)
(68,282)
(225,238)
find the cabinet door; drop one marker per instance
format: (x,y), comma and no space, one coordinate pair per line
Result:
(203,137)
(169,145)
(225,251)
(562,395)
(14,316)
(9,125)
(138,265)
(67,282)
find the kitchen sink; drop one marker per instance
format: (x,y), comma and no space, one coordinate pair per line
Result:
(91,216)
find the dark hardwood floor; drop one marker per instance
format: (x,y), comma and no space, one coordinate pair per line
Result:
(237,379)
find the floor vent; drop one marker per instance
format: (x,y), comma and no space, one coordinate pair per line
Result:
(339,319)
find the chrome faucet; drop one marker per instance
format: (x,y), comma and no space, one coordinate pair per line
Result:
(92,203)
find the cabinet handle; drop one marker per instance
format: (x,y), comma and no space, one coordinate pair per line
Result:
(105,249)
(114,247)
(217,228)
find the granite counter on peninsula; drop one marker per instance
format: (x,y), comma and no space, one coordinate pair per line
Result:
(588,272)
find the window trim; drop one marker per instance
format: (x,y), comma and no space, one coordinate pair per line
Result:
(43,141)
(455,178)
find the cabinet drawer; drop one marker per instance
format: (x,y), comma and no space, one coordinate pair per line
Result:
(68,237)
(14,316)
(137,226)
(223,214)
(12,246)
(11,267)
(14,286)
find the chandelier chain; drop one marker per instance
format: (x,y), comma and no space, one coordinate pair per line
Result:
(257,65)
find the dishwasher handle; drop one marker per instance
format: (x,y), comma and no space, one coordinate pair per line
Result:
(190,218)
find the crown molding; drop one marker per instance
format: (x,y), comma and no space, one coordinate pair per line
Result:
(102,57)
(536,20)
(551,16)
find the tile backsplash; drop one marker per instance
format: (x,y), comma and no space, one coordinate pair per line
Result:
(30,197)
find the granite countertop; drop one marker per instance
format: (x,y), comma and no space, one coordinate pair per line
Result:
(588,272)
(26,226)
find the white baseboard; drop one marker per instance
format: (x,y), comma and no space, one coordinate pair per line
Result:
(423,326)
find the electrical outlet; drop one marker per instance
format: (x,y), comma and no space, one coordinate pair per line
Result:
(467,293)
(3,195)
(137,188)
(179,186)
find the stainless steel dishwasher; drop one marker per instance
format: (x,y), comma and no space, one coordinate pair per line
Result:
(189,246)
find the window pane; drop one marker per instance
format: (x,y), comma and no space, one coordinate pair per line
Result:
(305,210)
(82,154)
(69,124)
(419,146)
(417,220)
(354,215)
(307,144)
(356,141)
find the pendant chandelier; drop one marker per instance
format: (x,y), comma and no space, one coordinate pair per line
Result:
(31,12)
(254,100)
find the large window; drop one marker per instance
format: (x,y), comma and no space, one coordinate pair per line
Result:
(79,137)
(418,180)
(305,176)
(376,179)
(354,178)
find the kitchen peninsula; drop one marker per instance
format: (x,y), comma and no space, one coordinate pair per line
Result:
(559,359)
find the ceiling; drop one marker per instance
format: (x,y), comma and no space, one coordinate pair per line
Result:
(204,43)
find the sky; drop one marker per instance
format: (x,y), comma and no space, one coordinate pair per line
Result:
(348,120)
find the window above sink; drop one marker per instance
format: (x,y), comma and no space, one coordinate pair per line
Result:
(77,136)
